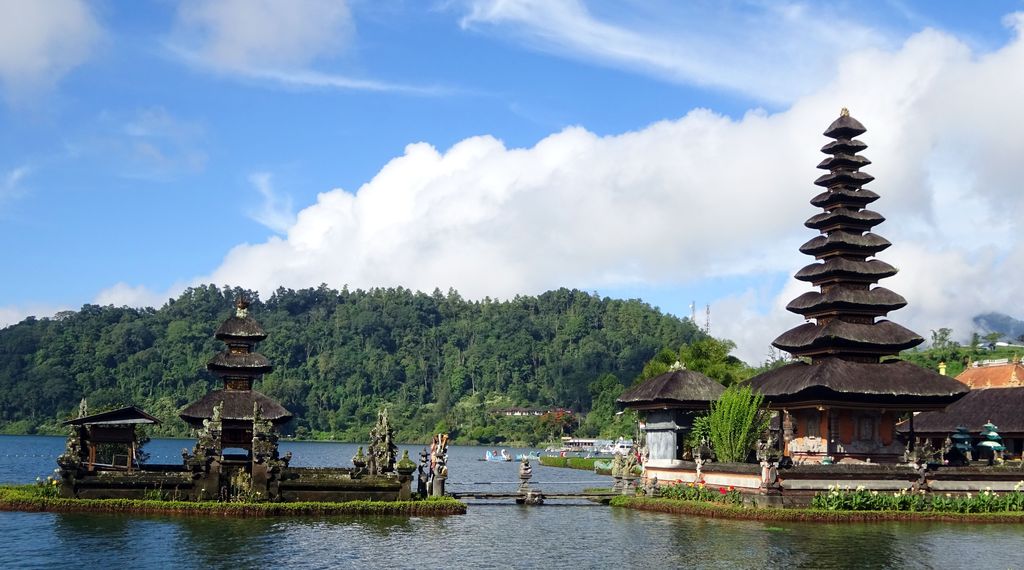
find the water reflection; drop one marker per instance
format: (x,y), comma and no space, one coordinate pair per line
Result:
(491,535)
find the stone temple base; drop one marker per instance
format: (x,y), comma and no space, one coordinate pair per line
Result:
(795,487)
(176,482)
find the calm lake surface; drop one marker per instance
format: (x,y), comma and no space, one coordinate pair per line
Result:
(491,535)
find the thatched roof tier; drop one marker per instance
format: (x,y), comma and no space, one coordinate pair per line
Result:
(862,220)
(839,336)
(677,389)
(844,177)
(843,243)
(843,146)
(844,198)
(1001,406)
(838,300)
(240,328)
(843,160)
(845,127)
(238,406)
(247,363)
(835,269)
(893,384)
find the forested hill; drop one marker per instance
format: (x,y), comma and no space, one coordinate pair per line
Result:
(438,361)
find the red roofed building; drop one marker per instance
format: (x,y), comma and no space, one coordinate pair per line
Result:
(1002,375)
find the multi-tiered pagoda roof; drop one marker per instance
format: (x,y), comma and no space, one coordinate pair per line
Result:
(239,366)
(845,337)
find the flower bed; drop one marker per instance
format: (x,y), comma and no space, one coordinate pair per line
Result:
(730,511)
(862,499)
(38,498)
(701,492)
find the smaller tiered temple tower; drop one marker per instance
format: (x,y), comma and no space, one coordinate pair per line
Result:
(239,366)
(844,400)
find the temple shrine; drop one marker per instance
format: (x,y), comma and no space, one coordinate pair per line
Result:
(239,366)
(843,399)
(668,404)
(235,417)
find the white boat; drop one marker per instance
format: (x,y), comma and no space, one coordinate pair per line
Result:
(618,447)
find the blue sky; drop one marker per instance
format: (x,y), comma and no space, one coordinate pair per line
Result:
(660,150)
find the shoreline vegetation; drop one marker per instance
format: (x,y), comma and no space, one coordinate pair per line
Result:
(770,514)
(28,498)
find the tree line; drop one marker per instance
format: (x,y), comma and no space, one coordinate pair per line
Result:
(437,361)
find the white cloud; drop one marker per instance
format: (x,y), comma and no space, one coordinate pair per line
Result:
(149,143)
(276,210)
(769,51)
(122,294)
(42,41)
(13,314)
(243,34)
(11,187)
(702,196)
(277,41)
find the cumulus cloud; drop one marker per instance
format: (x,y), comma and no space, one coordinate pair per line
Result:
(770,51)
(700,196)
(42,41)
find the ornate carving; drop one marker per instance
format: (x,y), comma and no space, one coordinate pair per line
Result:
(438,464)
(209,446)
(382,449)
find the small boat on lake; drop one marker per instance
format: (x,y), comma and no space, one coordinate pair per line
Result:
(532,456)
(495,456)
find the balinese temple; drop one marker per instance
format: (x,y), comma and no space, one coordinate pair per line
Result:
(845,396)
(996,397)
(669,402)
(239,366)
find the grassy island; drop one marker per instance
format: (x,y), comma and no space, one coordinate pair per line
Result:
(722,510)
(32,498)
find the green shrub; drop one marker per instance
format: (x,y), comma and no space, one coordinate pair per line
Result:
(701,492)
(27,498)
(554,461)
(736,422)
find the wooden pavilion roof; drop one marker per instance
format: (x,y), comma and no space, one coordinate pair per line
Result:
(122,416)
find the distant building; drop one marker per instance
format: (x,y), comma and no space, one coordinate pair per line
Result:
(993,374)
(530,412)
(997,396)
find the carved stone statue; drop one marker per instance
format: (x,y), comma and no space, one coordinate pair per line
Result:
(382,450)
(525,473)
(438,464)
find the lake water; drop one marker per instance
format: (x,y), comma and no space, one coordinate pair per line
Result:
(491,535)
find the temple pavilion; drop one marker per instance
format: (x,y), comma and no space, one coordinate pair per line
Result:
(845,396)
(669,402)
(239,366)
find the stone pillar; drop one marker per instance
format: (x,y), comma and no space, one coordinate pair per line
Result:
(405,468)
(437,486)
(787,431)
(833,433)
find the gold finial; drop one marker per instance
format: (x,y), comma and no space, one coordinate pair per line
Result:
(676,366)
(241,306)
(844,112)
